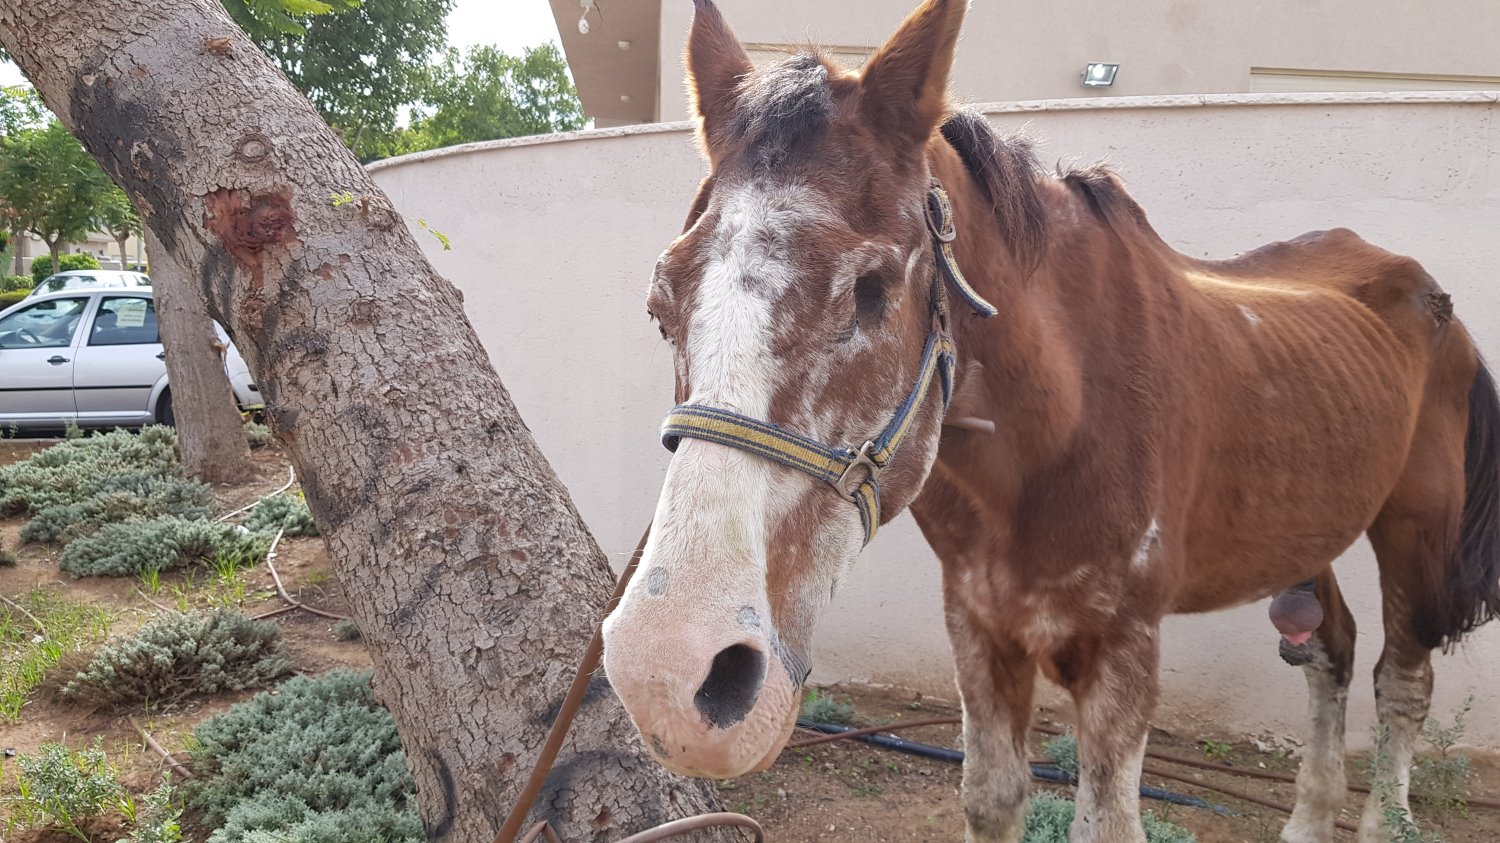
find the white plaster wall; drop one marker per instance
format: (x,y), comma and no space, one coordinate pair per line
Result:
(554,240)
(1014,51)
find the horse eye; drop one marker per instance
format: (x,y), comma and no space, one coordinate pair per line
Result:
(869,300)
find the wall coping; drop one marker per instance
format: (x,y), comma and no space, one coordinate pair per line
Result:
(1142,103)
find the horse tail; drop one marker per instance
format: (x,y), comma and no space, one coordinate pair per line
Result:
(1471,587)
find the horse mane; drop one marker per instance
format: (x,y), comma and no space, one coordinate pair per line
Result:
(1007,171)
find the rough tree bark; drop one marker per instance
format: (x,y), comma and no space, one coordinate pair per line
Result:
(474,581)
(209,429)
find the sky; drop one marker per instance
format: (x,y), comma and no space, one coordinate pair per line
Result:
(510,25)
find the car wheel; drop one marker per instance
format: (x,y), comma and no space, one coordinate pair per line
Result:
(164,414)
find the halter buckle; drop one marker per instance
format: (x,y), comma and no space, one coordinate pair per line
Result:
(861,459)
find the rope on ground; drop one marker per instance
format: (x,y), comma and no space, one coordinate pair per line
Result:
(161,750)
(281,589)
(291,477)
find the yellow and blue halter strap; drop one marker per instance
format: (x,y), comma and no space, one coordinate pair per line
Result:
(837,466)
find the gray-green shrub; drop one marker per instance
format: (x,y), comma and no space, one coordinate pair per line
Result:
(77,485)
(1048,817)
(257,434)
(130,548)
(318,762)
(179,655)
(288,513)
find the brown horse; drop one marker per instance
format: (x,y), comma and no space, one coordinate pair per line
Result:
(1134,433)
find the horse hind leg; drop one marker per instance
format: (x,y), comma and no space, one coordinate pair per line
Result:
(1437,540)
(1327,660)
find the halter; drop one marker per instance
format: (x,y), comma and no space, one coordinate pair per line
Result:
(853,472)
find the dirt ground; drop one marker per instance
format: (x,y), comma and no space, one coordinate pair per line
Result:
(843,791)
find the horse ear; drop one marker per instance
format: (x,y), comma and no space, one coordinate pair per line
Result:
(904,86)
(716,63)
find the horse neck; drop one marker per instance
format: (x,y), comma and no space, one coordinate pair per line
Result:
(1059,312)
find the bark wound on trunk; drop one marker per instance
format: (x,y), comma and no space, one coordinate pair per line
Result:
(467,567)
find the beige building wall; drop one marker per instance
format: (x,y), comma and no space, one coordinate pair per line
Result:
(1023,51)
(554,240)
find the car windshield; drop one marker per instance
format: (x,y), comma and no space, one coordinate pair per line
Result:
(47,324)
(58,283)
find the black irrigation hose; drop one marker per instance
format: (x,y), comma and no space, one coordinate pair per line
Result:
(1046,774)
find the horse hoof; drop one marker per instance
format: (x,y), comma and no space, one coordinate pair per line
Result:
(1295,655)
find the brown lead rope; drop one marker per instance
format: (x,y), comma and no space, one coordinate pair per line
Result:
(559,732)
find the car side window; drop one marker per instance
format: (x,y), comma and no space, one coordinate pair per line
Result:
(46,324)
(123,320)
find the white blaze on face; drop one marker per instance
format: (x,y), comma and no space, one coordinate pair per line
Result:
(702,590)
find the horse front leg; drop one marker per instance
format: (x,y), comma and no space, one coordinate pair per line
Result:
(1114,685)
(996,679)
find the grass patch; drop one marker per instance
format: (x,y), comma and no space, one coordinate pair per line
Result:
(31,647)
(177,656)
(318,762)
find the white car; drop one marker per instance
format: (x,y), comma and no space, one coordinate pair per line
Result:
(90,279)
(93,357)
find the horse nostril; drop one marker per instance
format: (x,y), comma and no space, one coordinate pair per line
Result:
(733,683)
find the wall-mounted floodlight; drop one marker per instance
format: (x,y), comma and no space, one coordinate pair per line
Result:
(1099,74)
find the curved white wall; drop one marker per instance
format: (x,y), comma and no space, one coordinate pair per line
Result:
(554,240)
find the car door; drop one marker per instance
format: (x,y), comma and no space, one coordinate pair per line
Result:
(120,361)
(38,345)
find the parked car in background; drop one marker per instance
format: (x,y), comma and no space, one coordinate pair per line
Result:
(90,279)
(93,357)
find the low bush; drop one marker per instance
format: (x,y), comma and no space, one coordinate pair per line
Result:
(181,655)
(14,283)
(59,788)
(120,499)
(821,707)
(346,630)
(1062,751)
(77,469)
(41,266)
(288,513)
(7,559)
(318,762)
(1048,817)
(10,297)
(132,548)
(257,434)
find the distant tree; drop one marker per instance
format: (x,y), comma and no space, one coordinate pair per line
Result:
(360,65)
(119,218)
(486,94)
(52,185)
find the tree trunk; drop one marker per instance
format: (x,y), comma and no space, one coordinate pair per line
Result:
(54,248)
(124,259)
(209,429)
(469,572)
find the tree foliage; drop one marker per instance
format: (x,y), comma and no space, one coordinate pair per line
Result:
(486,94)
(361,66)
(51,185)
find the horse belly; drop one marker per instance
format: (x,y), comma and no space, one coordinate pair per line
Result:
(1310,443)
